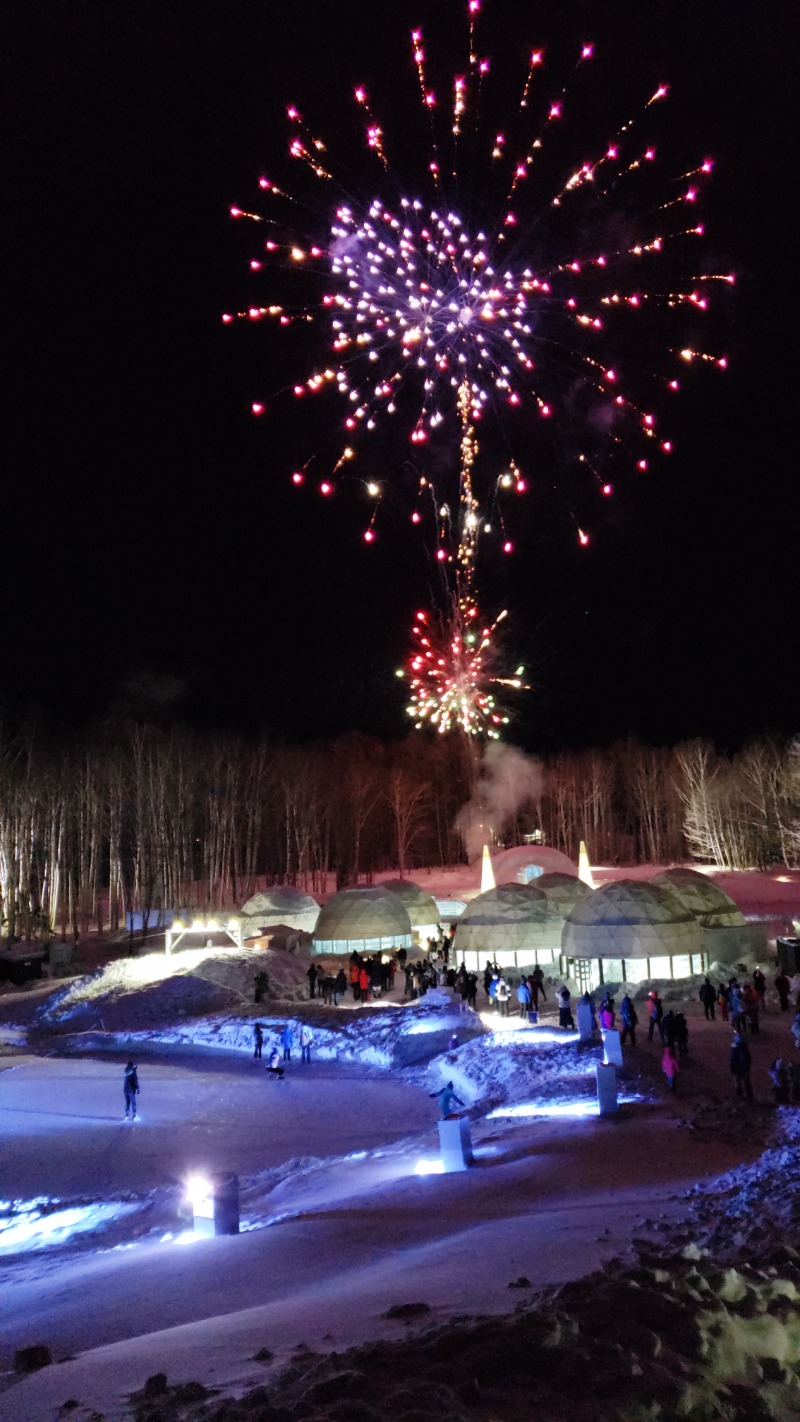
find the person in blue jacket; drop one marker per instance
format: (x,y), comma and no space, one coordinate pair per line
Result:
(523,997)
(287,1042)
(447,1099)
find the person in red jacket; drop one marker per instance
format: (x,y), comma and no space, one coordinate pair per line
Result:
(355,973)
(364,985)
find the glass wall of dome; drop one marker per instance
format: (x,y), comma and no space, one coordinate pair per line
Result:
(631,931)
(510,925)
(365,920)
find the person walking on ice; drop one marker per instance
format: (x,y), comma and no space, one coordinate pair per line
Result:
(131,1090)
(447,1099)
(258,1041)
(306,1038)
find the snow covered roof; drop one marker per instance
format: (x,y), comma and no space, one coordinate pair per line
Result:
(705,899)
(420,906)
(562,891)
(526,862)
(280,904)
(512,917)
(631,919)
(355,915)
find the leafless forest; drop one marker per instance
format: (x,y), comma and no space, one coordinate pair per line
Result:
(143,818)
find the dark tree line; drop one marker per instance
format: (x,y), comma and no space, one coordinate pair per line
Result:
(143,818)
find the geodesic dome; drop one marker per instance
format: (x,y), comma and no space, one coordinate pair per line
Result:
(562,891)
(365,920)
(701,896)
(526,863)
(280,904)
(421,908)
(632,919)
(509,923)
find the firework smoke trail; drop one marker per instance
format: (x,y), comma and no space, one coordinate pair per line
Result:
(496,304)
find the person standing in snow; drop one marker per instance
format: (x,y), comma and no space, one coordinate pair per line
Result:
(287,1042)
(502,995)
(722,999)
(670,1067)
(680,1030)
(131,1090)
(629,1020)
(306,1038)
(783,987)
(741,1062)
(607,1014)
(312,979)
(355,974)
(538,975)
(274,1067)
(364,984)
(564,998)
(656,1010)
(447,1099)
(258,1041)
(523,997)
(779,1077)
(760,986)
(708,998)
(472,991)
(339,986)
(495,979)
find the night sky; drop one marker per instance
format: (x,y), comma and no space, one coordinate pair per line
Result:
(155,553)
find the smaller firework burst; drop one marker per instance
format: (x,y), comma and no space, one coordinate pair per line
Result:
(452,673)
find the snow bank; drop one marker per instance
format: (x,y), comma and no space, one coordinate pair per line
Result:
(155,988)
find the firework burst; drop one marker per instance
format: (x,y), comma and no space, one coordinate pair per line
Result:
(453,673)
(521,302)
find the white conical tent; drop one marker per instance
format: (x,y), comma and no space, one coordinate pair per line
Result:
(280,904)
(510,924)
(366,920)
(633,920)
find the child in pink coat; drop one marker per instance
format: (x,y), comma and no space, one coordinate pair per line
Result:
(670,1067)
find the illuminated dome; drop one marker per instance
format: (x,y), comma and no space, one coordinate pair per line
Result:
(365,920)
(526,863)
(702,897)
(280,904)
(420,906)
(510,920)
(631,919)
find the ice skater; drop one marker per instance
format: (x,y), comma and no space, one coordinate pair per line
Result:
(131,1090)
(274,1067)
(306,1038)
(287,1042)
(258,1041)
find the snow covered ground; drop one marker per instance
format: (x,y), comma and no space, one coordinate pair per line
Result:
(343,1216)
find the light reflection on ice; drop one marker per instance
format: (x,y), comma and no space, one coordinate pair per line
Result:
(429,1167)
(584,1106)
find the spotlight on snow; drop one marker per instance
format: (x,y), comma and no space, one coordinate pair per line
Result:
(429,1167)
(199,1193)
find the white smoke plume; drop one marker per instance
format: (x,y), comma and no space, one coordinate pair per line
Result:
(508,781)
